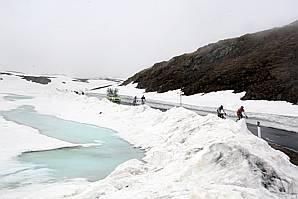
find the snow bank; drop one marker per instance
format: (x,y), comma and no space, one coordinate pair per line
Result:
(187,155)
(200,157)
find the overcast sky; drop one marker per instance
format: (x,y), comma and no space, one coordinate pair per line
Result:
(117,38)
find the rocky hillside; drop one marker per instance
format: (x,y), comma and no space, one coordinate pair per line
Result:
(264,64)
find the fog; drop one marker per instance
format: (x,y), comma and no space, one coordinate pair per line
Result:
(117,38)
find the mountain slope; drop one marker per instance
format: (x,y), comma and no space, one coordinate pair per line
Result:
(264,64)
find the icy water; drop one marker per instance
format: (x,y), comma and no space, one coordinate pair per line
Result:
(99,152)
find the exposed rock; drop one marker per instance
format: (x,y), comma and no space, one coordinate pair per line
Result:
(36,79)
(101,87)
(264,64)
(81,80)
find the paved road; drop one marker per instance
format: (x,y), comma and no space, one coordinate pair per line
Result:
(288,139)
(281,137)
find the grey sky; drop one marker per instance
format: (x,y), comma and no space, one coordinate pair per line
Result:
(117,38)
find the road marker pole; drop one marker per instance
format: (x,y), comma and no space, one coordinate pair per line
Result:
(259,129)
(180,99)
(181,93)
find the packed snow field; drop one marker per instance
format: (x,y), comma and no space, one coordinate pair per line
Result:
(187,155)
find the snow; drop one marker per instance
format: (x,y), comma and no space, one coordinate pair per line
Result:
(187,155)
(199,157)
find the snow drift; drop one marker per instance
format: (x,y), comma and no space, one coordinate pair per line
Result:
(199,157)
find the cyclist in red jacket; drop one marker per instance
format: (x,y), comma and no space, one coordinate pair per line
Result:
(241,113)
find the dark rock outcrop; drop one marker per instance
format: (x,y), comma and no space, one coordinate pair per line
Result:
(81,80)
(264,64)
(35,79)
